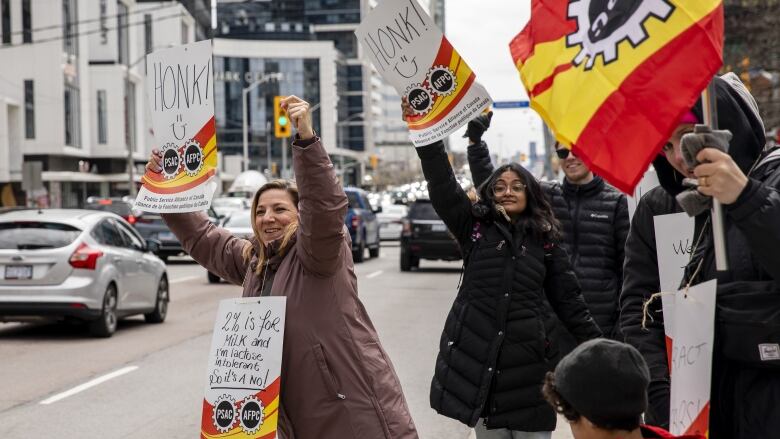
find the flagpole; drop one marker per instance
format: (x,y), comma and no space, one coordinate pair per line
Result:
(710,112)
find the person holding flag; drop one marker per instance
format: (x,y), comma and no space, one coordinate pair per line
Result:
(494,349)
(337,381)
(746,180)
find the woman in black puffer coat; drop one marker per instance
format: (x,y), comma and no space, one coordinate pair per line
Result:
(494,351)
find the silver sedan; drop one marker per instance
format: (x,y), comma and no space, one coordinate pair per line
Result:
(78,264)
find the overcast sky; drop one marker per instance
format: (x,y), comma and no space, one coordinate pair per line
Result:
(480,30)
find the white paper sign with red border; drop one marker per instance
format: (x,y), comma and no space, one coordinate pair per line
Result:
(414,56)
(243,379)
(180,96)
(673,244)
(694,324)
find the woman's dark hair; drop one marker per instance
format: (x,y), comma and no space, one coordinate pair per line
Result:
(538,215)
(563,407)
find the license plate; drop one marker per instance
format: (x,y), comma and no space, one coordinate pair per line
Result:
(18,272)
(438,228)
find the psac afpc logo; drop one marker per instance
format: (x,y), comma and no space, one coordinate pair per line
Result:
(248,413)
(603,24)
(188,159)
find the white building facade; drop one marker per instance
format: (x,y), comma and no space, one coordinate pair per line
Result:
(72,96)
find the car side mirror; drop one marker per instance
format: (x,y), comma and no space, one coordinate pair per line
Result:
(378,209)
(152,245)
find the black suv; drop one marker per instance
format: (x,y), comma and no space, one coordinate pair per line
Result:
(425,236)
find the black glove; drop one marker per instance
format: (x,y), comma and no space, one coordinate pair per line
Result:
(691,200)
(477,127)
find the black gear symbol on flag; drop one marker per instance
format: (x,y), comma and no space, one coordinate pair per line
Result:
(603,24)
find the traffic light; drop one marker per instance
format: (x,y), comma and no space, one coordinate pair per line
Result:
(281,120)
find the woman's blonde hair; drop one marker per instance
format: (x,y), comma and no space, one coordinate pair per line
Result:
(291,229)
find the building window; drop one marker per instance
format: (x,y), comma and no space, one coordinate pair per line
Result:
(70,27)
(6,6)
(130,116)
(72,115)
(103,22)
(29,109)
(185,33)
(149,43)
(26,21)
(102,117)
(121,31)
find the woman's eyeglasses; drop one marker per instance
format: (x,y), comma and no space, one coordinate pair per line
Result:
(563,153)
(500,189)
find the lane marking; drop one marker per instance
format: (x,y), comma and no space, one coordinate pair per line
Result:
(374,274)
(82,387)
(185,279)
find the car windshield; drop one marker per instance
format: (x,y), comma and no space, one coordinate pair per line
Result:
(32,235)
(423,210)
(239,219)
(120,208)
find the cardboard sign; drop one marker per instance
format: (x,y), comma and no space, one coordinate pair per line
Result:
(673,244)
(180,95)
(244,369)
(413,55)
(694,324)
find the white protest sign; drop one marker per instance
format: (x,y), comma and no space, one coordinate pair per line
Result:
(648,182)
(673,242)
(180,96)
(694,323)
(244,369)
(413,55)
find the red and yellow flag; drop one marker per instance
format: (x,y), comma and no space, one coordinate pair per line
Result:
(612,78)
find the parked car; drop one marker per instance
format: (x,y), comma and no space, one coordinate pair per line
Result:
(78,264)
(390,221)
(224,206)
(239,223)
(363,224)
(425,236)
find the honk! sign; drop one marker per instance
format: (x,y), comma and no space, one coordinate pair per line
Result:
(413,55)
(180,97)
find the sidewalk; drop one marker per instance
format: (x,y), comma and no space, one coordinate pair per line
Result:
(561,432)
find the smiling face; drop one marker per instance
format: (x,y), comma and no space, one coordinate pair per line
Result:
(509,193)
(275,211)
(574,168)
(673,151)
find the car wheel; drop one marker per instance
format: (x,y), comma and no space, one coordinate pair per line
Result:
(406,260)
(359,254)
(374,252)
(213,278)
(106,324)
(161,305)
(415,262)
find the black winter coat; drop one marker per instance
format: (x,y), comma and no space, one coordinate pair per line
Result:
(744,396)
(494,350)
(594,218)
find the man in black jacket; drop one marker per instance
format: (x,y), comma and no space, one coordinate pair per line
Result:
(746,365)
(594,219)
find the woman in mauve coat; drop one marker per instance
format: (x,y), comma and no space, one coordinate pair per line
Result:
(337,381)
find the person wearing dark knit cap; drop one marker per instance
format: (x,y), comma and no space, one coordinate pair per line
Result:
(601,389)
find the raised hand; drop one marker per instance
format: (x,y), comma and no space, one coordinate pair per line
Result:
(155,161)
(300,116)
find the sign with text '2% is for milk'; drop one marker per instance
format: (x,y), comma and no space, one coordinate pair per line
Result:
(244,370)
(180,95)
(413,55)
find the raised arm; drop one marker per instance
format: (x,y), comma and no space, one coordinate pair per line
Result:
(214,248)
(478,154)
(322,203)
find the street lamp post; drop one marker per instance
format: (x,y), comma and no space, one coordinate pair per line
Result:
(342,138)
(128,127)
(244,93)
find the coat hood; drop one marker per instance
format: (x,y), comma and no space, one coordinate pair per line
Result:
(738,113)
